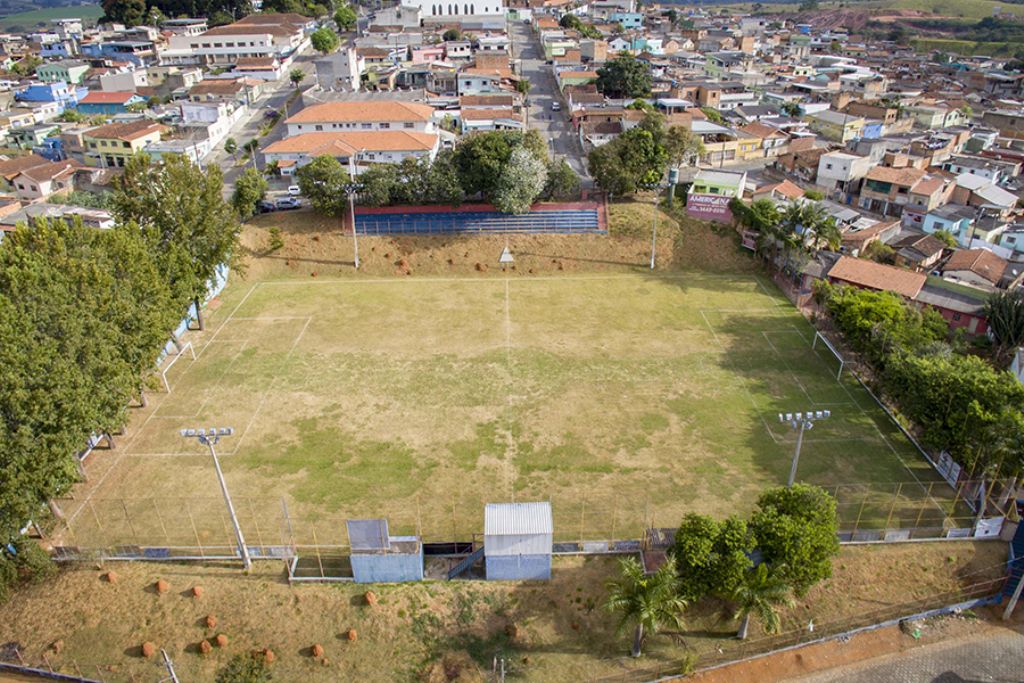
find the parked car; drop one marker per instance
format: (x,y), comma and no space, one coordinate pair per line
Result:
(265,206)
(556,106)
(287,203)
(294,190)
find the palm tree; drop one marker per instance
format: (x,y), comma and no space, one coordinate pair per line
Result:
(759,593)
(647,601)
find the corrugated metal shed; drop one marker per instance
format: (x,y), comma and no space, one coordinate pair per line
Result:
(517,519)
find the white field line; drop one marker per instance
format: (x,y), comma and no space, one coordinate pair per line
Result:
(220,380)
(230,316)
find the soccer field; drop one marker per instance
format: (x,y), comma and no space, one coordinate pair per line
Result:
(625,400)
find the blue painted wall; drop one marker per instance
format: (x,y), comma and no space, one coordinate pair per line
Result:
(518,567)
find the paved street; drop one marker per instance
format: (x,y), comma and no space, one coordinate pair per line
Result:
(997,658)
(543,91)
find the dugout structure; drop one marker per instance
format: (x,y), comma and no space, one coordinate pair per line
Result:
(517,541)
(378,557)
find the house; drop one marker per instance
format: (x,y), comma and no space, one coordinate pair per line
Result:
(974,190)
(61,93)
(961,306)
(10,168)
(956,219)
(124,80)
(934,117)
(262,35)
(786,191)
(240,90)
(710,193)
(391,146)
(886,190)
(108,103)
(362,116)
(840,174)
(979,268)
(113,144)
(879,277)
(835,126)
(856,239)
(917,251)
(930,192)
(91,218)
(64,71)
(39,182)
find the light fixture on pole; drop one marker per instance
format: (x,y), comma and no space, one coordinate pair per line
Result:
(801,422)
(209,438)
(654,230)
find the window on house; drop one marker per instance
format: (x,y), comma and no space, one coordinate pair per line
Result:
(410,125)
(828,166)
(956,317)
(367,126)
(20,186)
(385,126)
(218,45)
(318,127)
(34,188)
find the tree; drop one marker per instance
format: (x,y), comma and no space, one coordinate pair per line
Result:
(378,185)
(946,237)
(324,40)
(442,182)
(346,18)
(521,182)
(647,602)
(624,76)
(323,182)
(795,530)
(683,147)
(562,182)
(181,212)
(296,76)
(712,115)
(230,146)
(791,109)
(523,86)
(127,12)
(1005,314)
(244,669)
(452,34)
(711,557)
(758,593)
(481,157)
(250,189)
(880,252)
(632,161)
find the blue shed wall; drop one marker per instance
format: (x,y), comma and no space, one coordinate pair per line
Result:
(390,568)
(518,567)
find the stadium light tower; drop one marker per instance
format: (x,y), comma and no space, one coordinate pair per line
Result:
(801,422)
(351,188)
(210,437)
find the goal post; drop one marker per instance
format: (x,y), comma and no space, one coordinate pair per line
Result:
(174,359)
(827,344)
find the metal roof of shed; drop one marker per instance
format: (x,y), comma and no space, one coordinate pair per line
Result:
(507,519)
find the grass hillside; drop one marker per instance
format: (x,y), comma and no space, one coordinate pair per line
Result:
(29,20)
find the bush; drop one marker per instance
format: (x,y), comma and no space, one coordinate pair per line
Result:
(244,669)
(28,563)
(711,556)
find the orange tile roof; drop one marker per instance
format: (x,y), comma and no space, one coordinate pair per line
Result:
(96,97)
(762,130)
(12,167)
(317,144)
(387,110)
(878,276)
(126,131)
(897,176)
(786,188)
(978,261)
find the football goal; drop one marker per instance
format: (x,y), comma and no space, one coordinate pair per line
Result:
(835,359)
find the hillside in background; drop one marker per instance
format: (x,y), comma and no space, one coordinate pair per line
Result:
(15,14)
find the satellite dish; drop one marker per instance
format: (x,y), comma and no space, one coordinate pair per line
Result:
(506,256)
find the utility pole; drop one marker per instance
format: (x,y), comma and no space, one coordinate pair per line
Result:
(351,189)
(801,422)
(209,437)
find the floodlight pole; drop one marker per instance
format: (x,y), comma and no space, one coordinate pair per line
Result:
(801,422)
(654,231)
(352,206)
(209,439)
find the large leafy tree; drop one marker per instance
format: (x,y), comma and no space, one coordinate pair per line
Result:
(250,189)
(683,147)
(759,593)
(322,182)
(521,182)
(795,530)
(624,76)
(127,12)
(562,182)
(181,211)
(481,157)
(711,557)
(634,160)
(324,40)
(83,314)
(345,17)
(647,602)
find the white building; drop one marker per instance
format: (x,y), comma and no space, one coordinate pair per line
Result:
(373,147)
(458,9)
(840,172)
(128,80)
(278,36)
